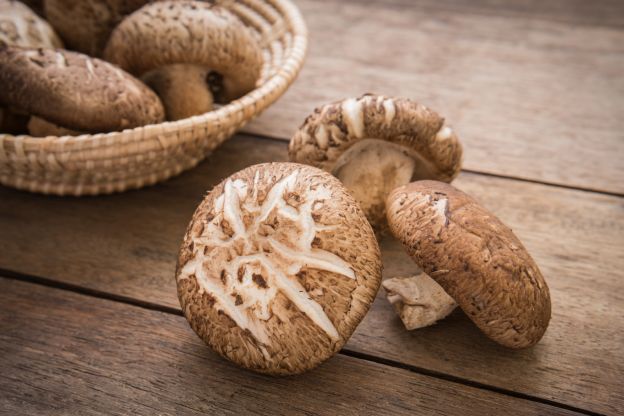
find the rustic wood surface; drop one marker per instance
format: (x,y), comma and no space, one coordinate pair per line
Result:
(536,93)
(534,89)
(65,353)
(126,245)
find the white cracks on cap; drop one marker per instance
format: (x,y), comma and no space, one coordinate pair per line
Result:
(322,137)
(230,207)
(440,207)
(242,265)
(90,68)
(353,115)
(390,110)
(444,133)
(60,60)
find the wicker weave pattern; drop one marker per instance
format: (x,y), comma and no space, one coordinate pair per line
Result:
(115,162)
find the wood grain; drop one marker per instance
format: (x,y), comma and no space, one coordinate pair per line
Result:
(64,353)
(127,245)
(534,89)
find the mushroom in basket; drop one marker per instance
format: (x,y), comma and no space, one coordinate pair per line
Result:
(190,52)
(68,93)
(20,26)
(278,267)
(85,25)
(474,258)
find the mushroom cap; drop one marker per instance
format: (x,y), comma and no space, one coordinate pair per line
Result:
(20,26)
(75,91)
(333,128)
(374,144)
(476,259)
(277,268)
(189,32)
(86,25)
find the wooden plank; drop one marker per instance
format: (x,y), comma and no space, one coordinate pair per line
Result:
(127,244)
(531,96)
(577,12)
(62,352)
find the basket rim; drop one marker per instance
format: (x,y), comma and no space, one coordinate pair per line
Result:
(288,70)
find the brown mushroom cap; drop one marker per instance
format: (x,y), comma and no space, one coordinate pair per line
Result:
(188,32)
(277,268)
(374,144)
(20,26)
(75,91)
(86,25)
(476,259)
(35,5)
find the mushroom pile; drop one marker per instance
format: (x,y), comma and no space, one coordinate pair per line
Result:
(397,157)
(131,63)
(281,262)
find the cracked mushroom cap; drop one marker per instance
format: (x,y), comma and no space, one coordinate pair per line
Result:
(277,268)
(20,26)
(188,32)
(86,25)
(75,91)
(374,144)
(476,258)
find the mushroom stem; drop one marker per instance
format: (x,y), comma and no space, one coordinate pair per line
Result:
(418,300)
(182,88)
(370,169)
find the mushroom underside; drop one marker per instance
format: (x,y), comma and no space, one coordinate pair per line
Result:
(371,168)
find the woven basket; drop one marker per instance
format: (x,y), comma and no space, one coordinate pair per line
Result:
(118,161)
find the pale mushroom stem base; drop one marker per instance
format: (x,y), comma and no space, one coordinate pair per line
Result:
(371,168)
(418,300)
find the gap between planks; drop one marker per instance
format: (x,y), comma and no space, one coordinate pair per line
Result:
(258,136)
(42,281)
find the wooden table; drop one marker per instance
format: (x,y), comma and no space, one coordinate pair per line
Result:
(90,322)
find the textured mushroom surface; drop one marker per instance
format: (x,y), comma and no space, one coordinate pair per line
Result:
(418,300)
(75,91)
(374,144)
(278,267)
(86,25)
(476,258)
(20,26)
(188,32)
